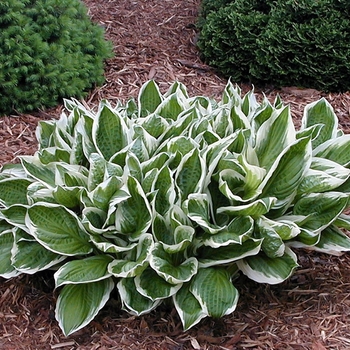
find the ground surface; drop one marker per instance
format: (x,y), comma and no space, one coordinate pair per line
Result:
(155,39)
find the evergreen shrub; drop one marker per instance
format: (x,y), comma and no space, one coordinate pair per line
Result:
(49,49)
(283,43)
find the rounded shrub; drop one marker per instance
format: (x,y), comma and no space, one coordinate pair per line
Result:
(304,43)
(49,49)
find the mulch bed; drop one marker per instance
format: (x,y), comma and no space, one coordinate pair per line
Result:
(155,39)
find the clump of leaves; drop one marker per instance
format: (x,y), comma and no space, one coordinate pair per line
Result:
(301,43)
(170,197)
(49,50)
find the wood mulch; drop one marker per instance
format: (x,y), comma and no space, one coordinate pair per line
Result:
(155,39)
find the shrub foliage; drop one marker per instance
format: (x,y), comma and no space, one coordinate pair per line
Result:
(171,198)
(303,43)
(49,49)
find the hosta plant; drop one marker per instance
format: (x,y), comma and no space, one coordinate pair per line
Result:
(171,197)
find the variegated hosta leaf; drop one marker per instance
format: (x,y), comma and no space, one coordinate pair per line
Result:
(34,168)
(135,261)
(273,136)
(188,307)
(96,170)
(71,175)
(272,244)
(67,196)
(54,154)
(28,256)
(15,215)
(154,124)
(112,243)
(169,269)
(134,215)
(255,209)
(322,209)
(320,112)
(165,187)
(285,228)
(109,132)
(190,174)
(263,269)
(198,208)
(222,123)
(132,300)
(58,229)
(208,256)
(44,132)
(213,289)
(172,106)
(149,98)
(336,149)
(86,270)
(238,230)
(332,241)
(154,287)
(78,304)
(7,270)
(38,192)
(324,175)
(286,174)
(102,195)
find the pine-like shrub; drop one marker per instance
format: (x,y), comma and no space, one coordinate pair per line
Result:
(49,49)
(303,43)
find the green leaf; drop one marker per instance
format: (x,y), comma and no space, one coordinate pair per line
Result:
(58,229)
(286,173)
(188,307)
(128,267)
(172,106)
(198,208)
(68,197)
(257,208)
(133,216)
(263,269)
(238,230)
(273,136)
(171,271)
(332,241)
(208,256)
(154,287)
(320,112)
(15,215)
(321,209)
(190,174)
(90,269)
(43,173)
(272,244)
(213,289)
(78,304)
(337,150)
(324,175)
(7,270)
(165,187)
(149,98)
(28,256)
(133,301)
(109,133)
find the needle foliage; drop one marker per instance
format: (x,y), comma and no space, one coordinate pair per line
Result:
(303,43)
(49,49)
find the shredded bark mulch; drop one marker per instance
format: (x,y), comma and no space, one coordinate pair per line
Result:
(155,39)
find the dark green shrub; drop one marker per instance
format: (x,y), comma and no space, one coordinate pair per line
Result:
(304,43)
(49,49)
